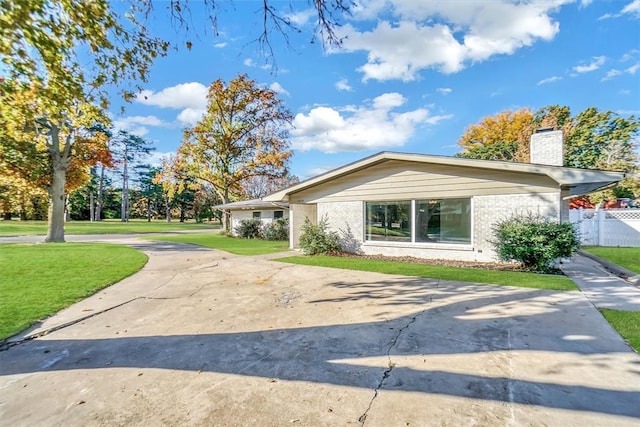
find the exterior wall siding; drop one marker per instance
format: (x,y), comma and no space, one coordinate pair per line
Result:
(347,218)
(298,214)
(409,180)
(266,216)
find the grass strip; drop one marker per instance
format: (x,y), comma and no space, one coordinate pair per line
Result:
(39,280)
(628,258)
(35,228)
(472,275)
(228,244)
(627,323)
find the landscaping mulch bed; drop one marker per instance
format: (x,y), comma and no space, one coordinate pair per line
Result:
(443,262)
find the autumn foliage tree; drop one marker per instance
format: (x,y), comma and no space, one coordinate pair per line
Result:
(243,134)
(593,139)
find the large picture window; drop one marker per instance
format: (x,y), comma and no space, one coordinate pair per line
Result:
(422,221)
(443,221)
(390,221)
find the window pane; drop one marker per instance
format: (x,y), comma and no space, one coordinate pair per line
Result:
(278,214)
(257,215)
(443,221)
(390,221)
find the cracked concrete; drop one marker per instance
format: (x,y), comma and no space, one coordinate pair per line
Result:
(387,372)
(202,337)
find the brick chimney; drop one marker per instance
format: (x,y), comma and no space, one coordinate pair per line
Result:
(547,147)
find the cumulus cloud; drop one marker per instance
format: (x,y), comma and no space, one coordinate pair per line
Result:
(444,90)
(191,98)
(596,62)
(356,128)
(343,85)
(138,125)
(220,45)
(549,80)
(185,95)
(445,36)
(277,88)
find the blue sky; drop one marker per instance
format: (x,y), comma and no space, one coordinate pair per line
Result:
(411,75)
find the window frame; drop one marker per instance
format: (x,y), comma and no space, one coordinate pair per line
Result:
(413,224)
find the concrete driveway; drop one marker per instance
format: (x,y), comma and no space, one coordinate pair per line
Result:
(202,337)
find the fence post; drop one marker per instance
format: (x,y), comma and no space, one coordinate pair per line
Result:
(601,215)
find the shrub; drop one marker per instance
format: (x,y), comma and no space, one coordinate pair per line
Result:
(250,229)
(278,229)
(316,239)
(534,241)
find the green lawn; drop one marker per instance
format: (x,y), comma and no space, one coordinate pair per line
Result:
(29,228)
(473,275)
(628,258)
(39,280)
(229,244)
(627,323)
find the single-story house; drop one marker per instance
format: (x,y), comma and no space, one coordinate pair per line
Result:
(266,212)
(439,207)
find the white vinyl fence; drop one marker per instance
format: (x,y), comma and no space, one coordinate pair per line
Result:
(607,227)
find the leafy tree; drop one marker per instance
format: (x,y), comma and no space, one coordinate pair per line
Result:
(593,140)
(150,192)
(128,148)
(50,148)
(58,57)
(259,186)
(242,134)
(498,137)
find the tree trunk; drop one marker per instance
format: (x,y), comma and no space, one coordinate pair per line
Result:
(124,214)
(226,215)
(98,213)
(148,209)
(168,210)
(57,199)
(7,216)
(92,212)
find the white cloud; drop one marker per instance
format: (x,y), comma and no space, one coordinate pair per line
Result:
(185,95)
(343,85)
(445,36)
(549,80)
(632,70)
(190,116)
(301,18)
(277,88)
(585,3)
(371,126)
(632,8)
(444,90)
(138,125)
(596,62)
(220,45)
(248,62)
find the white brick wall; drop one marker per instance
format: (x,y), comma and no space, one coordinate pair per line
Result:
(266,216)
(546,148)
(347,218)
(487,210)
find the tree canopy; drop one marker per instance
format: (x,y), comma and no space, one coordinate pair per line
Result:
(593,139)
(243,134)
